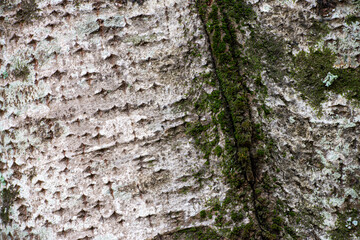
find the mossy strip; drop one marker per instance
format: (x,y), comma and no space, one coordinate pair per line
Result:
(8,196)
(193,233)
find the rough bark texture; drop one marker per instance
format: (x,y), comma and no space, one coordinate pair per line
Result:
(92,134)
(97,98)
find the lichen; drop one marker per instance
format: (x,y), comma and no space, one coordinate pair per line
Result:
(329,79)
(141,39)
(115,21)
(347,226)
(346,45)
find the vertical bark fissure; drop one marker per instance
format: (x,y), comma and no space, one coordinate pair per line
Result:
(251,180)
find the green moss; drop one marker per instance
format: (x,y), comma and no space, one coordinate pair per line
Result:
(218,151)
(349,19)
(312,68)
(292,233)
(20,69)
(236,216)
(8,196)
(28,11)
(193,233)
(265,52)
(244,152)
(318,30)
(219,220)
(244,231)
(291,213)
(347,226)
(202,214)
(265,109)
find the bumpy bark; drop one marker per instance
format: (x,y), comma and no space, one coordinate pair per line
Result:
(205,119)
(92,133)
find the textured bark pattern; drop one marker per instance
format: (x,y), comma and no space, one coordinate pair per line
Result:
(93,136)
(318,155)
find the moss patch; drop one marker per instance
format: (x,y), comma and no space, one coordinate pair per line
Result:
(347,226)
(349,19)
(28,11)
(267,51)
(8,196)
(193,233)
(20,69)
(312,68)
